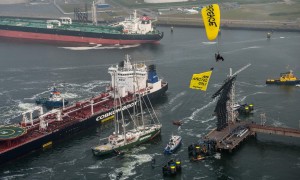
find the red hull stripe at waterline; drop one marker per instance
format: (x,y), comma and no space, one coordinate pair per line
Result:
(64,38)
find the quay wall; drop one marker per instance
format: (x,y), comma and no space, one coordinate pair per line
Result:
(232,24)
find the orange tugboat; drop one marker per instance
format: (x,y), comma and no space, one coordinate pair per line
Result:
(287,78)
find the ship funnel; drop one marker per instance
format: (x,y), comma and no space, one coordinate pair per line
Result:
(152,76)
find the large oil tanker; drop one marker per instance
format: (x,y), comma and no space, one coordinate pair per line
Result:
(133,30)
(32,133)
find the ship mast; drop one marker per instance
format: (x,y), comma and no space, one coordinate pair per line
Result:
(136,83)
(231,113)
(94,14)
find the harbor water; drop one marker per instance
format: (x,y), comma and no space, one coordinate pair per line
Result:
(29,69)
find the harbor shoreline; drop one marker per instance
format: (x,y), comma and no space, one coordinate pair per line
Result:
(288,26)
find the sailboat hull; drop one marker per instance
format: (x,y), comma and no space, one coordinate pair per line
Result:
(111,150)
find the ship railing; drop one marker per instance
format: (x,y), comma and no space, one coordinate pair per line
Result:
(84,106)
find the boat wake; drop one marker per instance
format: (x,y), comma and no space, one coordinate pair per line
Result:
(176,107)
(176,97)
(100,46)
(29,172)
(128,167)
(12,111)
(249,84)
(244,97)
(190,132)
(242,49)
(201,109)
(36,95)
(208,120)
(209,43)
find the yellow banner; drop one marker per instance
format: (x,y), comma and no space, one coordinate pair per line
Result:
(211,18)
(200,81)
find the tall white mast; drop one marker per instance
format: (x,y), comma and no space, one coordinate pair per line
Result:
(231,113)
(94,14)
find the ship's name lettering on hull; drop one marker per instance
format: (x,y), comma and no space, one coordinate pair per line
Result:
(103,116)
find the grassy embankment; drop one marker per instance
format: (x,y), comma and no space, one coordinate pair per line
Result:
(255,14)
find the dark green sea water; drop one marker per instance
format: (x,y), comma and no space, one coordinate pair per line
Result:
(28,69)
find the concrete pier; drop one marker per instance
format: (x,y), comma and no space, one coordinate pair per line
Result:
(234,134)
(231,136)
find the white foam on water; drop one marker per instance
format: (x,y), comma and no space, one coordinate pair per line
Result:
(37,95)
(217,156)
(203,177)
(193,115)
(281,37)
(13,111)
(176,97)
(100,46)
(209,127)
(193,134)
(277,123)
(208,120)
(249,84)
(246,41)
(209,43)
(242,49)
(69,95)
(26,106)
(96,166)
(16,176)
(252,47)
(72,162)
(27,172)
(244,98)
(128,168)
(138,149)
(217,85)
(82,48)
(176,107)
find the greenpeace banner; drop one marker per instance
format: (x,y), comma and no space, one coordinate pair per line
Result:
(200,81)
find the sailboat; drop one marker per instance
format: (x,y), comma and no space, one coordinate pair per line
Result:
(123,137)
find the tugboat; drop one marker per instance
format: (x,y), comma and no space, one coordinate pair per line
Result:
(174,143)
(172,167)
(201,150)
(196,153)
(55,100)
(243,109)
(287,78)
